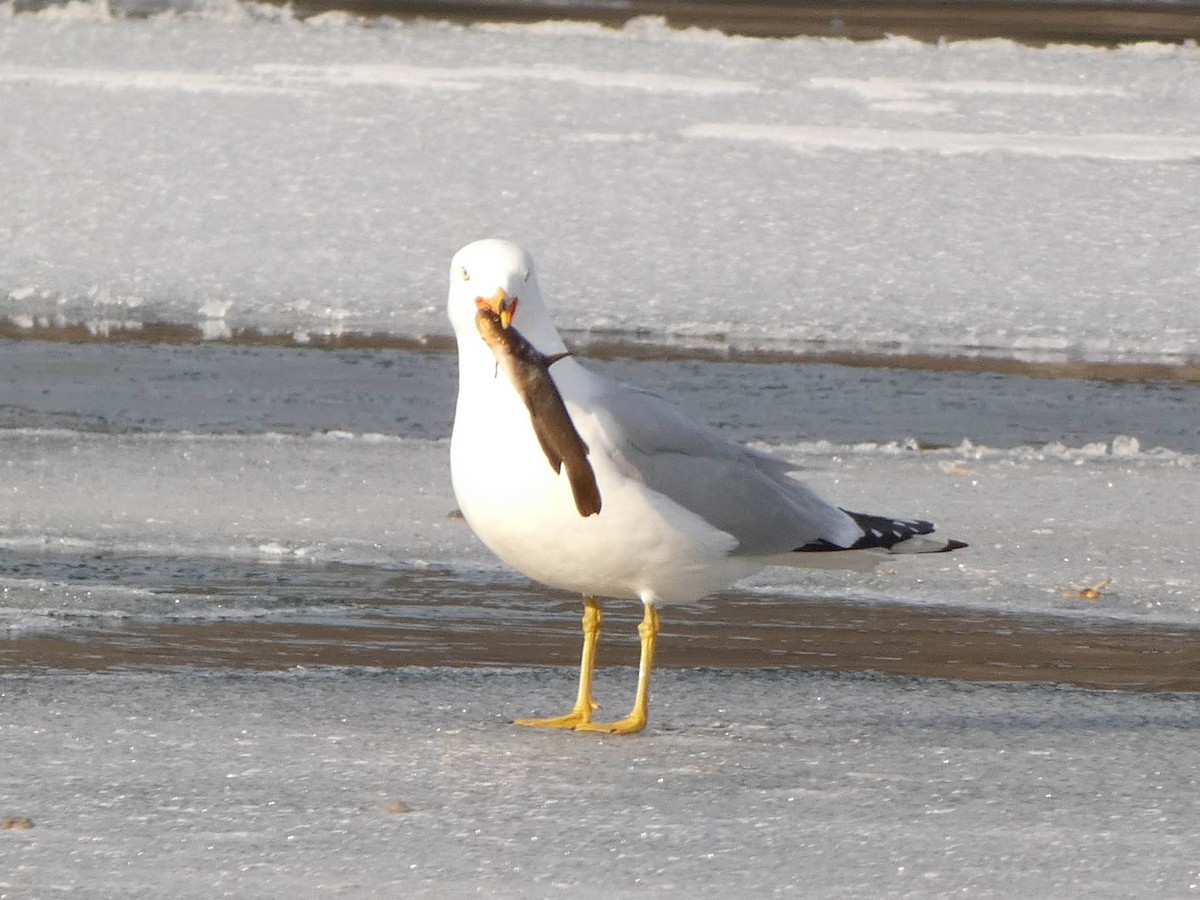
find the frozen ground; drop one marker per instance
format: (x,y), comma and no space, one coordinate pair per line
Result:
(764,783)
(226,172)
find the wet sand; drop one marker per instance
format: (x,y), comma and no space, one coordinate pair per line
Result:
(1040,23)
(730,631)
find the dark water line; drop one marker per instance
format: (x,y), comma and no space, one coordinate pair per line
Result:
(1035,23)
(218,388)
(997,360)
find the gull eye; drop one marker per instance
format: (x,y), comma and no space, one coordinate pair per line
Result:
(462,270)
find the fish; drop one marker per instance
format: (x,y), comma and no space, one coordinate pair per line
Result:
(529,371)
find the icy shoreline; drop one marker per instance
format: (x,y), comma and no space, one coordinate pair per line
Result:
(886,197)
(1042,523)
(259,454)
(1036,22)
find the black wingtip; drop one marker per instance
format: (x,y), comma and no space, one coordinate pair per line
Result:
(883,533)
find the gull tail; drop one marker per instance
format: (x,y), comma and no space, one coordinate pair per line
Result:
(892,535)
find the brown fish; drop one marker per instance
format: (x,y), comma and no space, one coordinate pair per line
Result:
(529,371)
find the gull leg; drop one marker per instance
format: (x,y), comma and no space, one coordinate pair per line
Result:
(581,712)
(636,720)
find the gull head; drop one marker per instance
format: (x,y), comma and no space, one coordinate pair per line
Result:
(498,275)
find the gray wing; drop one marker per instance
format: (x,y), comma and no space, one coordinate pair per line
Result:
(743,492)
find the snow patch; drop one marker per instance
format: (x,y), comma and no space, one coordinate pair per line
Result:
(811,138)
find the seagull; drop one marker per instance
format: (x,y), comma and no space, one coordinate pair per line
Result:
(684,512)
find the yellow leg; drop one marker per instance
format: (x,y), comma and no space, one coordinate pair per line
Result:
(636,720)
(581,713)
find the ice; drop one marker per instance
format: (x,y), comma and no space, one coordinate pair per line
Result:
(889,90)
(1147,148)
(768,783)
(478,77)
(248,453)
(891,197)
(338,498)
(1059,519)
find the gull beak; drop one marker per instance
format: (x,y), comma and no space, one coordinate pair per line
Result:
(501,304)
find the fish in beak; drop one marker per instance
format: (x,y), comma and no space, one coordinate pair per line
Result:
(501,304)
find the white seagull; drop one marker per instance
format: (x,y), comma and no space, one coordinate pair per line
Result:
(684,511)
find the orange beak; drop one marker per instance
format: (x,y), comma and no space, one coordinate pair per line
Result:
(500,304)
